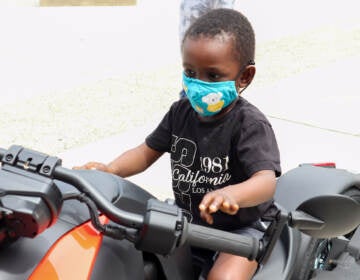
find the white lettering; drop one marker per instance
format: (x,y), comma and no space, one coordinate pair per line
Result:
(195,178)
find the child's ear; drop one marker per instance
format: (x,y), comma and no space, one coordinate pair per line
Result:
(247,76)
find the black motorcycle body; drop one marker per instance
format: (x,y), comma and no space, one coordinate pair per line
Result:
(41,212)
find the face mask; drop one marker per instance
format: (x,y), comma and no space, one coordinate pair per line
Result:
(209,98)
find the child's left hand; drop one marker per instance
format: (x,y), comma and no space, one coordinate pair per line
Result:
(217,200)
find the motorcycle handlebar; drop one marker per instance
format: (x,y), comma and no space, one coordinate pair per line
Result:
(113,213)
(195,235)
(192,234)
(218,240)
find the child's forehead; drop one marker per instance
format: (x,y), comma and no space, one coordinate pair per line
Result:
(220,43)
(214,52)
(222,36)
(222,40)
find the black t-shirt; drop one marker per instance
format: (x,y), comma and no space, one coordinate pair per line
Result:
(210,155)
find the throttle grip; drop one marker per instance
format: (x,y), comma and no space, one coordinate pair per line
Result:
(218,240)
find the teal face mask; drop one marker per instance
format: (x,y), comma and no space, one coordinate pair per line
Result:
(209,98)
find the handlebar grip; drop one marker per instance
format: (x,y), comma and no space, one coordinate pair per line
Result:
(218,240)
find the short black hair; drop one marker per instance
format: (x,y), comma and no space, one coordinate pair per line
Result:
(230,22)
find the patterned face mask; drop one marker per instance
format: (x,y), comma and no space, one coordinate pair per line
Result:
(209,98)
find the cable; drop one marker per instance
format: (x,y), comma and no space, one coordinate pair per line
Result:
(113,231)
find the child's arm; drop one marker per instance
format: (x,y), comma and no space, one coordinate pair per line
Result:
(129,163)
(259,188)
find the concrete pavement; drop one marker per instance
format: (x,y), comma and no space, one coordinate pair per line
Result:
(315,115)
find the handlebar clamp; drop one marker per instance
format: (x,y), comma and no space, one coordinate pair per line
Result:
(30,160)
(163,226)
(30,201)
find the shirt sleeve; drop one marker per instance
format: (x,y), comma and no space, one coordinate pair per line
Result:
(257,149)
(160,138)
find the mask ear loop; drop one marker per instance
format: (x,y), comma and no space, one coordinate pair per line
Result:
(251,62)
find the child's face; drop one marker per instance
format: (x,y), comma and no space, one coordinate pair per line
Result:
(210,59)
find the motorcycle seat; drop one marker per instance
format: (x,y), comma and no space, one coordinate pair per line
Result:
(306,181)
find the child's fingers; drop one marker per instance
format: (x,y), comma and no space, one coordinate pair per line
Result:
(229,206)
(92,165)
(81,167)
(215,201)
(211,202)
(231,209)
(206,201)
(97,166)
(206,217)
(234,207)
(216,204)
(226,205)
(202,207)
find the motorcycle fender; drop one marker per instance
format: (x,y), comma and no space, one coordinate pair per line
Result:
(307,181)
(72,256)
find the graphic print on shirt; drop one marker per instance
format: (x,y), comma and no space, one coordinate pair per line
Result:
(195,175)
(182,157)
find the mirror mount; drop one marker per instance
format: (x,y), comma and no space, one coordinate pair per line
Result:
(303,221)
(272,234)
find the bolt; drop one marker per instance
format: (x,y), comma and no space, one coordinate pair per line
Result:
(46,169)
(9,157)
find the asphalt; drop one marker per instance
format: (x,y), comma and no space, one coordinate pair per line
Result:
(314,112)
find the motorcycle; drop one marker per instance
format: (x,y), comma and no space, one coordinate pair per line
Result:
(59,223)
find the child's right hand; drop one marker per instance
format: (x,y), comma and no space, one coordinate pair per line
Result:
(92,165)
(221,199)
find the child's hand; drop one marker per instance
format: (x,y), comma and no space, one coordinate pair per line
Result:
(94,166)
(217,200)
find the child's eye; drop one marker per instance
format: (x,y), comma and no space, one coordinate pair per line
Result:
(214,77)
(189,73)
